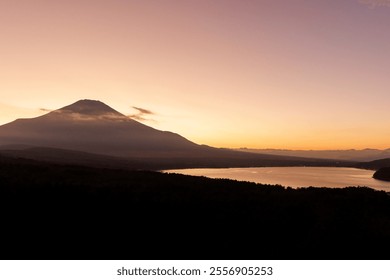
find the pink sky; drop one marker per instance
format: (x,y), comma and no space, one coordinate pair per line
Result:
(243,73)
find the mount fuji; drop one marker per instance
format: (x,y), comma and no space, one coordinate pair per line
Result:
(89,131)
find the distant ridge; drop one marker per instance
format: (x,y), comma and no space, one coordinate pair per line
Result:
(376,164)
(351,154)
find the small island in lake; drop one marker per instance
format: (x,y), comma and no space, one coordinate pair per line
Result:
(382,174)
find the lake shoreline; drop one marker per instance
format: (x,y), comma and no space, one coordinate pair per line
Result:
(294,176)
(89,210)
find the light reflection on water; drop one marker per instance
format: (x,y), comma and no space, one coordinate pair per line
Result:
(333,177)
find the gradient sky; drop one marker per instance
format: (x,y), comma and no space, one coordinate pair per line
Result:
(243,73)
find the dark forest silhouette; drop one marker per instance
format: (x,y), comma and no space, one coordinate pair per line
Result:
(382,174)
(73,212)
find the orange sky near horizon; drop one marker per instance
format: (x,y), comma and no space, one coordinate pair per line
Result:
(226,73)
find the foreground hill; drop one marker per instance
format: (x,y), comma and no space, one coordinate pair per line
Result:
(382,174)
(91,133)
(71,212)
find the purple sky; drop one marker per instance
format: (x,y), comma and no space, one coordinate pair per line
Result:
(243,73)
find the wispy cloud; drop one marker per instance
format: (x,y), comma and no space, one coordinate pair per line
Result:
(143,111)
(45,110)
(375,3)
(142,114)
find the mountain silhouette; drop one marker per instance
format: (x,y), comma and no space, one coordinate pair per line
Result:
(92,127)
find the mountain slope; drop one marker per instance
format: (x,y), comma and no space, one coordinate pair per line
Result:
(92,126)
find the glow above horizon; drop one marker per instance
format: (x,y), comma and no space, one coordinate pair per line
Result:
(256,74)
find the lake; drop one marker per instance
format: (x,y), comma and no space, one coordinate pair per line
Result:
(332,177)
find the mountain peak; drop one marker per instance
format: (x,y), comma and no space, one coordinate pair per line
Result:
(89,107)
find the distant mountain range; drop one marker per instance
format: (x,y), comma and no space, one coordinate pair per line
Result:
(89,132)
(352,155)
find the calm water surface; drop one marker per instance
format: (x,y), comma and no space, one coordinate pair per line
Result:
(333,177)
